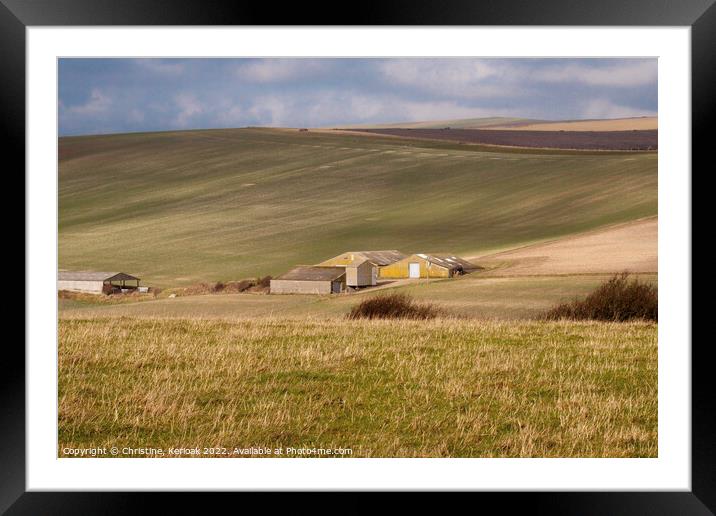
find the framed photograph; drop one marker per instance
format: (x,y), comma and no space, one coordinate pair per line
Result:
(432,250)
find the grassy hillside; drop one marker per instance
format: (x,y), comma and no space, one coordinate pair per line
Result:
(181,207)
(440,388)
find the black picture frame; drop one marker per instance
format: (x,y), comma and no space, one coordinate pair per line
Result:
(700,15)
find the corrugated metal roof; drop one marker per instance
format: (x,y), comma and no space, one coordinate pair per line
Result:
(379,258)
(358,262)
(93,276)
(449,261)
(313,273)
(466,265)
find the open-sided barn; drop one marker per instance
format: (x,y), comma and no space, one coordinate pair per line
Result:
(427,266)
(95,282)
(310,279)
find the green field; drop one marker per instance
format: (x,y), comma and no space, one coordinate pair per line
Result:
(182,207)
(440,388)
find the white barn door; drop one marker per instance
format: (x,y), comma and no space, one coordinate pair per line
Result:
(414,271)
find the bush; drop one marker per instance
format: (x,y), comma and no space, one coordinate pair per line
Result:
(233,287)
(263,282)
(392,306)
(619,299)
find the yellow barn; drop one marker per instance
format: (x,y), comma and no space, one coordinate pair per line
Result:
(362,267)
(427,266)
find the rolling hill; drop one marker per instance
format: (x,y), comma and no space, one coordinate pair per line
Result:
(461,123)
(526,124)
(643,123)
(180,207)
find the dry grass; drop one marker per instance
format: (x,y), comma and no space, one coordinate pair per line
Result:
(384,388)
(632,246)
(229,287)
(618,299)
(393,306)
(84,298)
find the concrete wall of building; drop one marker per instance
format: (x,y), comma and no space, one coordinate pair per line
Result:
(361,275)
(279,286)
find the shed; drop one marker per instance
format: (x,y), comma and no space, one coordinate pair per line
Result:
(95,282)
(361,274)
(310,279)
(422,265)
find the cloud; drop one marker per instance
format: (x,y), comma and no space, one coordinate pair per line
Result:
(604,108)
(464,78)
(335,108)
(272,110)
(624,74)
(135,116)
(278,70)
(97,103)
(188,106)
(445,110)
(160,66)
(159,94)
(231,115)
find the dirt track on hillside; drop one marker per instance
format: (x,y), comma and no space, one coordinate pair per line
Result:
(626,247)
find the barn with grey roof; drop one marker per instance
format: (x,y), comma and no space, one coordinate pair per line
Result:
(310,279)
(95,282)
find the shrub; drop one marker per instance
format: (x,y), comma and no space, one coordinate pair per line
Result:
(392,306)
(233,287)
(264,282)
(619,299)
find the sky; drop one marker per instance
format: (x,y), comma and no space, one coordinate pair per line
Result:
(119,95)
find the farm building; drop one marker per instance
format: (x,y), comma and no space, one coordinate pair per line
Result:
(310,280)
(95,282)
(365,275)
(427,266)
(361,274)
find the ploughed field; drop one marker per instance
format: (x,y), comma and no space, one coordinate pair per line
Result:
(588,140)
(439,388)
(179,208)
(632,247)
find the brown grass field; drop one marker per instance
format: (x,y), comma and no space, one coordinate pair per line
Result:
(629,247)
(439,388)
